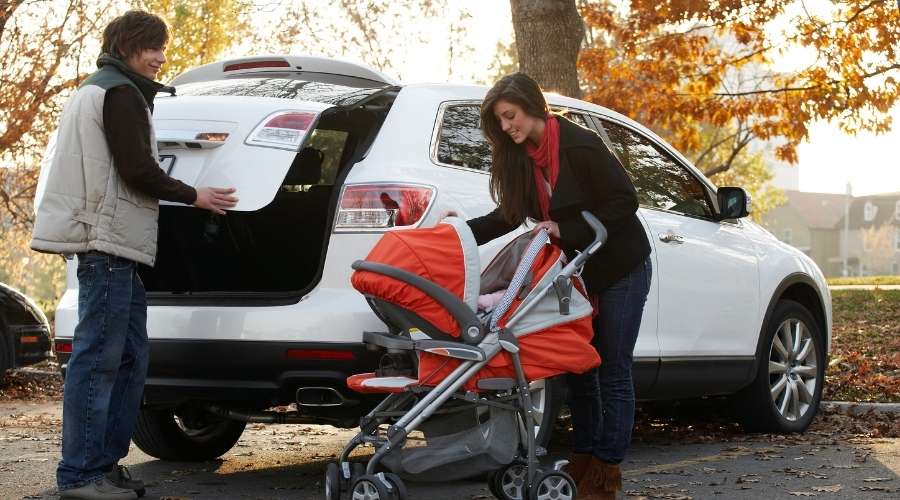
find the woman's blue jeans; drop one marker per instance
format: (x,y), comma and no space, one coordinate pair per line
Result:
(105,375)
(602,400)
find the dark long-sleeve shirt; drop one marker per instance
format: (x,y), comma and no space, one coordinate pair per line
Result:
(592,179)
(126,124)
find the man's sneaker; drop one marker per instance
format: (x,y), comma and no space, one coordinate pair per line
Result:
(100,489)
(120,477)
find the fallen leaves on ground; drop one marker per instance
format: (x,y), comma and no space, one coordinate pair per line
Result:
(709,420)
(828,489)
(45,384)
(865,349)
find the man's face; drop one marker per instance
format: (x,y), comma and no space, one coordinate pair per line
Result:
(147,62)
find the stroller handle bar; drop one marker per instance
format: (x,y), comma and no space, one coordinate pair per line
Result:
(471,330)
(600,235)
(562,283)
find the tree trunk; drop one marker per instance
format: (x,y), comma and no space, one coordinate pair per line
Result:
(548,37)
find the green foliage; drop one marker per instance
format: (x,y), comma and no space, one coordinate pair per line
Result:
(506,61)
(39,276)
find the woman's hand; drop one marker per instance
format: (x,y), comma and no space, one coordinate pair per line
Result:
(549,226)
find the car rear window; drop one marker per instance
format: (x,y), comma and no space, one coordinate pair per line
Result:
(283,88)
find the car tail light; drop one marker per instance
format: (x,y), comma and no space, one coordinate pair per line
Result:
(63,346)
(282,130)
(271,63)
(381,206)
(212,136)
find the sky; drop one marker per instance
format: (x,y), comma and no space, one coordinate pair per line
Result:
(828,160)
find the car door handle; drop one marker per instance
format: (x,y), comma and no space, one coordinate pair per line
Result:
(671,238)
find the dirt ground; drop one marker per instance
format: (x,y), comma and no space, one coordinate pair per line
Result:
(679,452)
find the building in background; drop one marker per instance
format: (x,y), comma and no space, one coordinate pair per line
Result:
(814,223)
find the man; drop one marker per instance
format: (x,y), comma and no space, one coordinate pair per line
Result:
(98,198)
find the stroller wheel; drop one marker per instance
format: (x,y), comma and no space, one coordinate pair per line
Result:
(492,483)
(553,485)
(371,487)
(399,487)
(509,482)
(332,482)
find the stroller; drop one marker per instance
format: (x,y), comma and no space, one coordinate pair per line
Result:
(460,353)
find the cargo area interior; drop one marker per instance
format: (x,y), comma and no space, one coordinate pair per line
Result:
(279,249)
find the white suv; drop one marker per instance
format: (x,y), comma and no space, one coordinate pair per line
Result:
(254,309)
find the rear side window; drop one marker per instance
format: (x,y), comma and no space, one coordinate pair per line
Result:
(461,142)
(660,181)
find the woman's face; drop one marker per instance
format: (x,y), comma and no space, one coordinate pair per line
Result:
(518,124)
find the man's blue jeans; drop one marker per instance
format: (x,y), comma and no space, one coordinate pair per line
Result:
(602,400)
(105,374)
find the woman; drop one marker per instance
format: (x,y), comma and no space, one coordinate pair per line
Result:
(548,169)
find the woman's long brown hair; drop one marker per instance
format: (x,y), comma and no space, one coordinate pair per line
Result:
(512,177)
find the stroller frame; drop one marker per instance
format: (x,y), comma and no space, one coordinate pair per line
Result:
(481,341)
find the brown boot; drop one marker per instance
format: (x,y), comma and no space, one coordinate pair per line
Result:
(589,484)
(611,481)
(577,466)
(600,481)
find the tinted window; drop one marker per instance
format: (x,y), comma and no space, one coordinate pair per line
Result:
(578,118)
(661,182)
(331,143)
(284,88)
(461,142)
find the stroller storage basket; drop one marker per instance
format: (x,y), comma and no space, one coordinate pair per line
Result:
(458,445)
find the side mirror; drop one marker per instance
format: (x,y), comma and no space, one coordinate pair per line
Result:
(734,203)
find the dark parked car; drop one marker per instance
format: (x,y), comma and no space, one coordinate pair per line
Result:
(24,330)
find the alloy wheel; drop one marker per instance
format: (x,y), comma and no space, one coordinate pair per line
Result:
(793,369)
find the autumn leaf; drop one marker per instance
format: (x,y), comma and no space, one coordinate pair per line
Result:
(678,66)
(828,489)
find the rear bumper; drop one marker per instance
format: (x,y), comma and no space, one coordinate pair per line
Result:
(250,374)
(32,344)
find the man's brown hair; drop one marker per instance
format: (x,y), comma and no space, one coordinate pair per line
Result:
(133,32)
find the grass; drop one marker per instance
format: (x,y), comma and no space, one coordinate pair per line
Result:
(865,280)
(865,350)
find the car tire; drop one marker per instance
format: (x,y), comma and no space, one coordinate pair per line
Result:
(160,433)
(790,375)
(553,395)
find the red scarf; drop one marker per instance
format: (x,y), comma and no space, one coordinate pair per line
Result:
(546,155)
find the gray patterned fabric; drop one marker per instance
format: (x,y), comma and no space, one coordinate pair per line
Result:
(515,286)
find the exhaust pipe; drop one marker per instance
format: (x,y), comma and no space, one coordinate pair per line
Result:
(317,397)
(265,417)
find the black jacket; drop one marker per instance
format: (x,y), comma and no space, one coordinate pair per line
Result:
(590,178)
